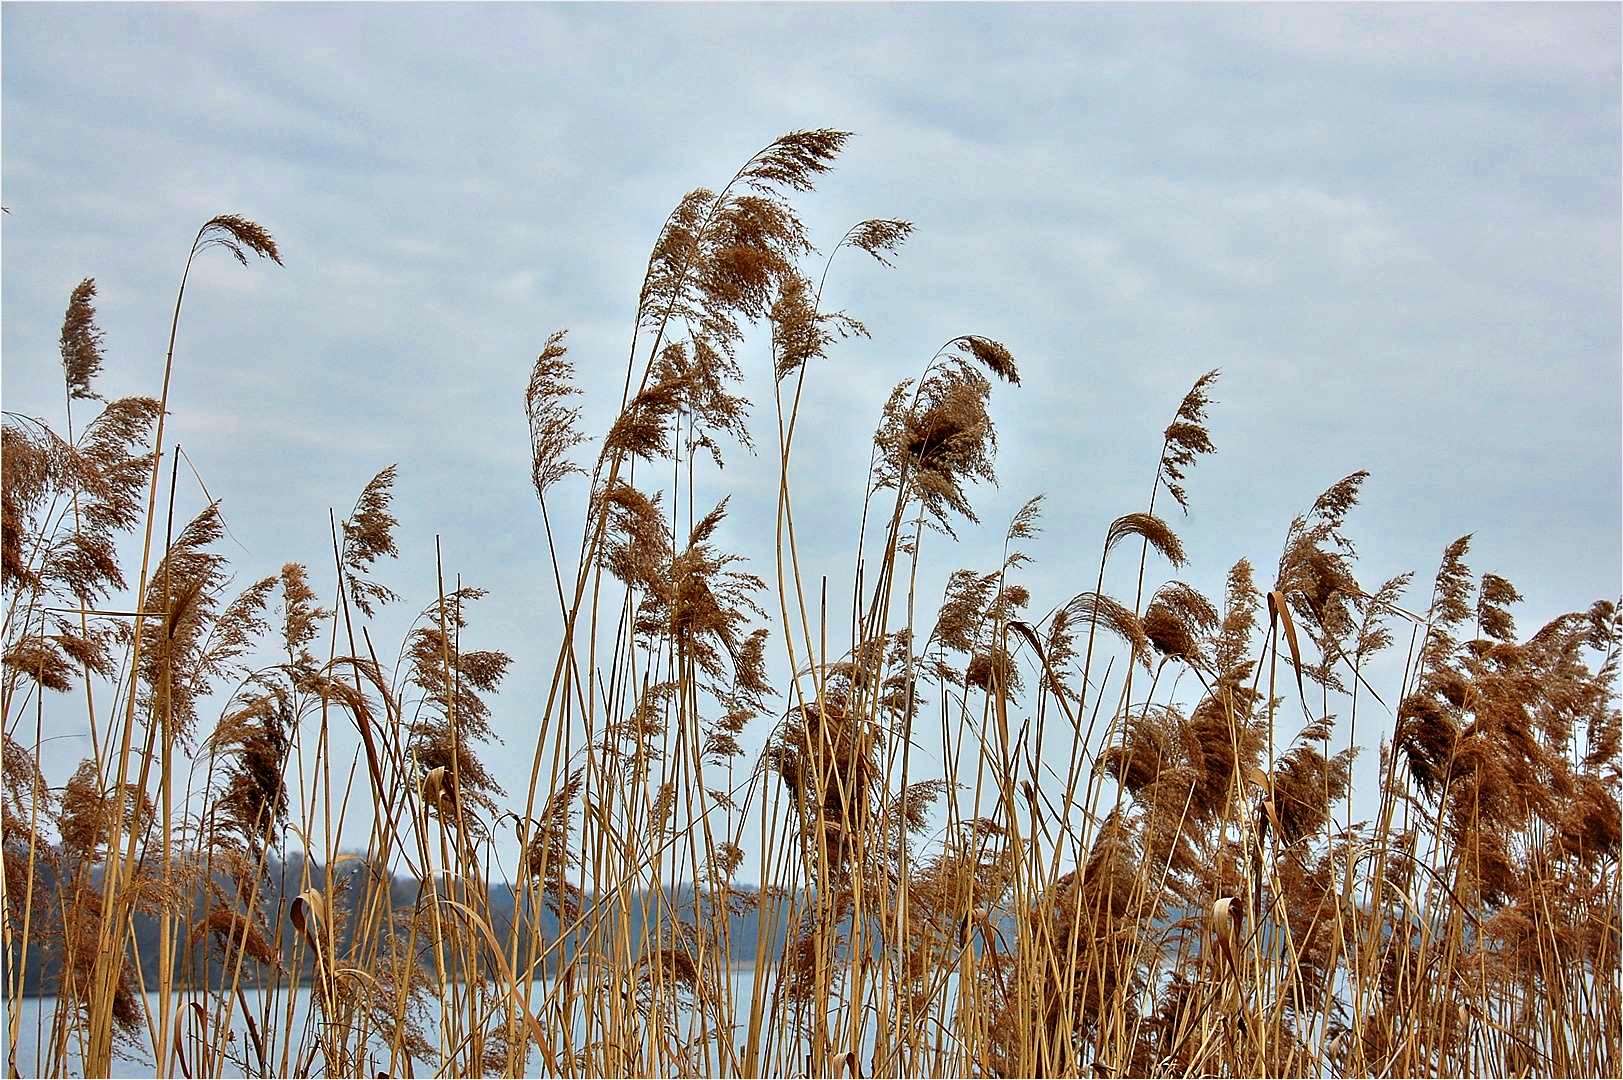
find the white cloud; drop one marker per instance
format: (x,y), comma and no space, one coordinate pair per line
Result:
(1500,40)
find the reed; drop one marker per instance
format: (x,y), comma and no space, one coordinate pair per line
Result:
(975,840)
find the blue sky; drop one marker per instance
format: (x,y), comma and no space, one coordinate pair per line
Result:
(1395,229)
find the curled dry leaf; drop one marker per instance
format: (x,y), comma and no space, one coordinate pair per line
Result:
(437,790)
(1278,609)
(1228,918)
(306,913)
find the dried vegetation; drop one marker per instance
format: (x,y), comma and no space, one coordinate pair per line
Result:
(1116,839)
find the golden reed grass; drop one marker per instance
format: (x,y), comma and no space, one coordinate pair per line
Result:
(1183,891)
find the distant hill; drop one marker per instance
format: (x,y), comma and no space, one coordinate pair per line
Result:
(200,962)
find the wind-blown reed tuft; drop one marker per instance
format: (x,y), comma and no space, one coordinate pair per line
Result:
(777,822)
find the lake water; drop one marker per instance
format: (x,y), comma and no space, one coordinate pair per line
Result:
(37,1013)
(36,1016)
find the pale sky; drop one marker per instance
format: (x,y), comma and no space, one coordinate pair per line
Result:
(1394,228)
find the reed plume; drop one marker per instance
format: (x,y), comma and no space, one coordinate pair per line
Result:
(913,833)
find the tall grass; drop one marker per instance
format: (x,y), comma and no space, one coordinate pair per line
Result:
(1181,891)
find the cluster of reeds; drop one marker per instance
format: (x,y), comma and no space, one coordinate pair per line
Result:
(1116,838)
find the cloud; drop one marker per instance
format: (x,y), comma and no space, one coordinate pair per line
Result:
(1498,41)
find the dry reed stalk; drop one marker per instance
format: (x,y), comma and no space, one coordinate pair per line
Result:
(942,888)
